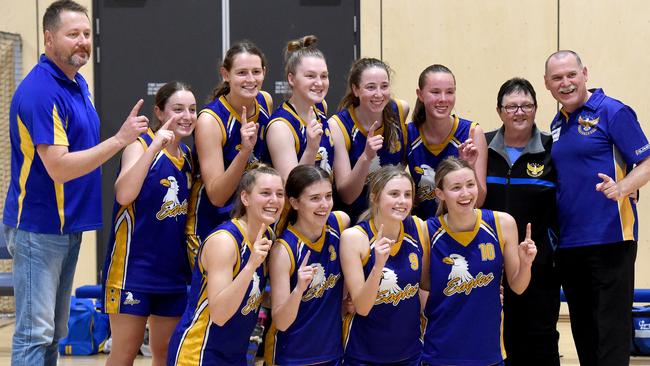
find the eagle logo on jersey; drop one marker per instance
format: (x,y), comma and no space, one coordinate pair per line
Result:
(460,280)
(427,184)
(171,207)
(534,169)
(319,284)
(254,296)
(322,159)
(390,291)
(130,300)
(587,124)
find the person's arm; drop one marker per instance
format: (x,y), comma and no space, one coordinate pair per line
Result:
(518,258)
(637,178)
(283,154)
(285,303)
(350,182)
(136,162)
(218,257)
(220,184)
(63,165)
(354,246)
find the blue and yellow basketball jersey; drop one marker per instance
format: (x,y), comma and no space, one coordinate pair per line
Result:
(355,136)
(463,312)
(146,250)
(391,330)
(315,335)
(199,341)
(423,159)
(287,114)
(203,216)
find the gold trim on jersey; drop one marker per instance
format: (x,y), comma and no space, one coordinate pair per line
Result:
(436,149)
(344,132)
(290,252)
(348,319)
(236,114)
(224,136)
(60,137)
(123,227)
(497,223)
(625,210)
(316,246)
(296,139)
(463,238)
(269,344)
(195,338)
(60,203)
(27,149)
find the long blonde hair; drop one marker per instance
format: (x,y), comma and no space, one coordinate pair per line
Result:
(377,182)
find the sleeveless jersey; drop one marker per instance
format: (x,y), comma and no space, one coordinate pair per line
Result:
(203,216)
(315,334)
(199,341)
(287,114)
(391,330)
(423,159)
(463,312)
(146,250)
(355,136)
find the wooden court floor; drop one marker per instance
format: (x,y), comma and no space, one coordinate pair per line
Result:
(567,349)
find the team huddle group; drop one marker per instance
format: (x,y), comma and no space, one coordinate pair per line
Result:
(374,238)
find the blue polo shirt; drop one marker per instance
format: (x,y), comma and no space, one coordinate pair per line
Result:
(603,136)
(48,108)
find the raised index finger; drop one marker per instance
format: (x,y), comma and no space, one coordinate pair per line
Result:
(380,232)
(373,127)
(471,132)
(305,259)
(261,233)
(169,122)
(244,118)
(528,231)
(136,108)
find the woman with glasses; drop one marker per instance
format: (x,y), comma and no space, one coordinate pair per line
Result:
(436,133)
(521,181)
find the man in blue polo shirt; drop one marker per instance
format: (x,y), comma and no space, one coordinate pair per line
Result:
(597,142)
(55,188)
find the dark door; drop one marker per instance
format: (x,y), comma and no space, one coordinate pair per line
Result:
(140,46)
(271,24)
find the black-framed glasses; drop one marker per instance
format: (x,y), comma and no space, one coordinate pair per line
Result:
(512,109)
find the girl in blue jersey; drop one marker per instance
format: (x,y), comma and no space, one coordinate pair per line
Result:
(226,138)
(371,127)
(436,133)
(229,278)
(305,271)
(297,133)
(469,250)
(382,266)
(146,270)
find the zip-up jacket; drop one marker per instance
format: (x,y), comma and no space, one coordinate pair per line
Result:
(525,190)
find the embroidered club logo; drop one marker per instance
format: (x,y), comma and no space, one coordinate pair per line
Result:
(130,300)
(534,169)
(171,207)
(587,124)
(427,184)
